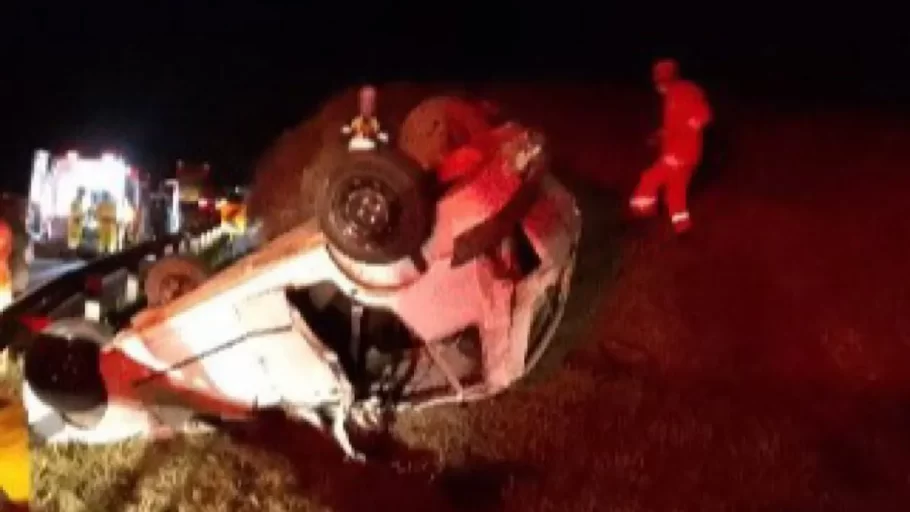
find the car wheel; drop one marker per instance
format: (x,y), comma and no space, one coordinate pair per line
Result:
(172,277)
(62,369)
(376,207)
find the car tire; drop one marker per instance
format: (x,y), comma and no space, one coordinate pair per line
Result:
(62,369)
(172,277)
(390,187)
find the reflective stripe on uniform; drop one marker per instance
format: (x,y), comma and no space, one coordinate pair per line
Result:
(680,217)
(642,202)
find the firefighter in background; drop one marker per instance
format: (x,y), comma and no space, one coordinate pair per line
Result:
(364,131)
(233,215)
(138,220)
(685,114)
(76,221)
(15,474)
(106,213)
(126,229)
(6,275)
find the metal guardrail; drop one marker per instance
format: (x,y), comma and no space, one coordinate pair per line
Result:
(53,296)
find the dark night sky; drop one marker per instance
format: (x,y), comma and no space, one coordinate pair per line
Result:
(193,82)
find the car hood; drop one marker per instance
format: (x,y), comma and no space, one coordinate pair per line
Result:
(221,329)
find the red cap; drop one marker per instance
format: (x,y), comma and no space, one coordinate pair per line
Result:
(666,70)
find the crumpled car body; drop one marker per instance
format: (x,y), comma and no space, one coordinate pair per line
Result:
(302,327)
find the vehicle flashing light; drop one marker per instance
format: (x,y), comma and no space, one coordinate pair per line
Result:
(34,323)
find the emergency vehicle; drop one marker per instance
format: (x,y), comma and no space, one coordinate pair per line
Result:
(198,207)
(55,189)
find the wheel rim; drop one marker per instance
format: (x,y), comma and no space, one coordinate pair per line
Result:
(365,212)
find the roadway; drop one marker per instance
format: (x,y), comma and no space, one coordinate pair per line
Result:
(43,270)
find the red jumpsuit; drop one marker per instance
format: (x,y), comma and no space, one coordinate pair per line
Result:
(686,112)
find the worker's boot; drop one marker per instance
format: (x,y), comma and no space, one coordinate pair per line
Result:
(642,207)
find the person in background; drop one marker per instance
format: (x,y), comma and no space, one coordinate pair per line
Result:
(91,215)
(139,222)
(685,114)
(106,213)
(233,215)
(76,220)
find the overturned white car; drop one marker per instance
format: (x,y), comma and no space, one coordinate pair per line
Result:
(409,289)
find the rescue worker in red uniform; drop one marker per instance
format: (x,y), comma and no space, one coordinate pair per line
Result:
(685,114)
